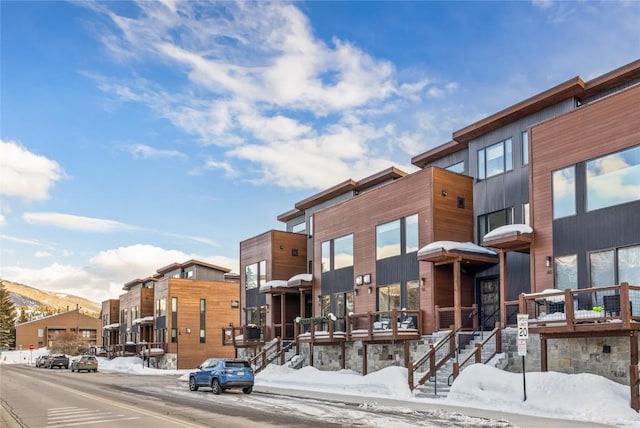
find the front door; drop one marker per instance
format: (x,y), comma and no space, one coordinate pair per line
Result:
(488,298)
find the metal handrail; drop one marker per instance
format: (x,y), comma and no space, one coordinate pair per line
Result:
(430,356)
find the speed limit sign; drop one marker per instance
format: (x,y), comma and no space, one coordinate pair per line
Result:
(523,326)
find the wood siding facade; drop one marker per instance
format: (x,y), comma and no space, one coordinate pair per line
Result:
(419,193)
(606,126)
(43,332)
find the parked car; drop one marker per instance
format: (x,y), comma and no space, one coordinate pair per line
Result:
(85,362)
(58,360)
(43,360)
(221,374)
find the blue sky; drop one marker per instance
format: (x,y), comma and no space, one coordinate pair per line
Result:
(135,135)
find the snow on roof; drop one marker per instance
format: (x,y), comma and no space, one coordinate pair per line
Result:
(509,229)
(274,283)
(468,247)
(111,326)
(307,277)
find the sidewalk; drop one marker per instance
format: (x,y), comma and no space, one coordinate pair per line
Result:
(522,421)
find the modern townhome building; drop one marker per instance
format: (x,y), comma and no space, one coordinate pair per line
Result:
(534,210)
(72,324)
(176,317)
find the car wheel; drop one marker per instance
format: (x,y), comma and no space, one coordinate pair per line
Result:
(72,370)
(192,384)
(215,387)
(66,367)
(247,390)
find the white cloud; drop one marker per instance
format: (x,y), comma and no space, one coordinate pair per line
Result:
(42,254)
(3,221)
(26,175)
(543,4)
(74,222)
(107,271)
(22,240)
(257,82)
(142,151)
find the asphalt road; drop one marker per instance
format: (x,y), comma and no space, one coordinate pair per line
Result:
(41,398)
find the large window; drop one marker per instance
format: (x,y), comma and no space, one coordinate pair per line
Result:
(255,274)
(413,295)
(343,303)
(613,179)
(566,269)
(389,297)
(564,192)
(388,240)
(525,214)
(615,266)
(491,221)
(161,307)
(391,236)
(495,159)
(342,253)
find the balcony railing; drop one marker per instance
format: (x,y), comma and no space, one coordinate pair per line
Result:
(383,325)
(248,335)
(614,307)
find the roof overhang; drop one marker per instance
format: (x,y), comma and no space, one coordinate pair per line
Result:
(512,237)
(447,252)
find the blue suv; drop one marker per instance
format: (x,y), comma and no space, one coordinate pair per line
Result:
(220,374)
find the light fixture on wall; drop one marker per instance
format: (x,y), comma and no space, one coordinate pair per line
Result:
(370,290)
(422,282)
(319,299)
(444,192)
(367,278)
(359,280)
(188,330)
(547,261)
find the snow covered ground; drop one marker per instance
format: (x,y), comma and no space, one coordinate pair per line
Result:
(581,397)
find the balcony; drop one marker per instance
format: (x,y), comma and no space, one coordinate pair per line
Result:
(246,336)
(383,326)
(571,312)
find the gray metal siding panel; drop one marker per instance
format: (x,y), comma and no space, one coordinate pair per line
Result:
(452,159)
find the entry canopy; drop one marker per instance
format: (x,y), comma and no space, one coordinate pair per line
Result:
(449,251)
(511,237)
(302,280)
(275,283)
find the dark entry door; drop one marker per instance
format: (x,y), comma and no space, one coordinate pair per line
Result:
(488,298)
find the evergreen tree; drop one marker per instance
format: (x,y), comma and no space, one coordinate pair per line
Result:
(23,315)
(7,319)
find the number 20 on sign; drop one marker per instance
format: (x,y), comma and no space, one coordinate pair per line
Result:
(523,326)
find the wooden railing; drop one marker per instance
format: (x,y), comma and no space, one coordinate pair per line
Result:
(131,349)
(243,336)
(394,325)
(575,309)
(446,317)
(273,350)
(634,383)
(432,358)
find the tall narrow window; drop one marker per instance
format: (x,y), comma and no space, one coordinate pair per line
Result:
(203,318)
(413,295)
(325,250)
(564,192)
(411,233)
(262,270)
(613,179)
(525,148)
(525,213)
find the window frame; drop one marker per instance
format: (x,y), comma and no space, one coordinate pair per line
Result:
(507,158)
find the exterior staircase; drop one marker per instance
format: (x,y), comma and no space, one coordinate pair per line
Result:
(438,386)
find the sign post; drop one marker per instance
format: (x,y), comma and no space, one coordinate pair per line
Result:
(31,353)
(523,337)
